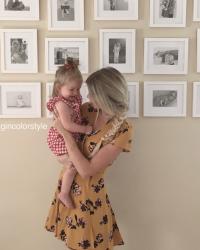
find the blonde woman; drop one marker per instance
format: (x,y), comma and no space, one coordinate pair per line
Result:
(92,224)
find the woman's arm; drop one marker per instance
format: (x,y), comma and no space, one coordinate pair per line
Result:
(85,167)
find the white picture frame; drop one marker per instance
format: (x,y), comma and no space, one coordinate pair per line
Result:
(165,98)
(196,10)
(57,49)
(133,93)
(117,49)
(25,10)
(19,51)
(115,10)
(65,17)
(84,93)
(20,100)
(196,99)
(165,14)
(166,55)
(49,92)
(198,50)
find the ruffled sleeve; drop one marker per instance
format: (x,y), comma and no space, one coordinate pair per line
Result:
(52,101)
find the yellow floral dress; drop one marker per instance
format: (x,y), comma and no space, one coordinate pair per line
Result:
(92,224)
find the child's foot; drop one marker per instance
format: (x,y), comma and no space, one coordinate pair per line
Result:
(66,200)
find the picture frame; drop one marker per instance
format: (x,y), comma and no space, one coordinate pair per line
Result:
(22,10)
(58,49)
(116,10)
(166,55)
(133,93)
(171,13)
(196,10)
(196,99)
(165,99)
(84,93)
(20,100)
(19,51)
(198,50)
(117,49)
(49,91)
(65,16)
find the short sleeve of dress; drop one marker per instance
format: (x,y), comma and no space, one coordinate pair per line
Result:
(124,137)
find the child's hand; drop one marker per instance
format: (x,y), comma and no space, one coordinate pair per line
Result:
(88,129)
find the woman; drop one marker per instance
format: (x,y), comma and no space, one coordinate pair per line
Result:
(92,224)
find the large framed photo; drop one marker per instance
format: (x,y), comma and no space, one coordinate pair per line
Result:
(196,99)
(165,55)
(168,13)
(49,92)
(117,49)
(165,99)
(115,9)
(19,10)
(65,14)
(20,100)
(19,51)
(59,49)
(196,10)
(133,96)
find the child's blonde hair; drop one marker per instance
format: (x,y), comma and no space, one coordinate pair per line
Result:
(109,90)
(68,71)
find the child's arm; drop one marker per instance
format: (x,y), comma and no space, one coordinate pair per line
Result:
(64,112)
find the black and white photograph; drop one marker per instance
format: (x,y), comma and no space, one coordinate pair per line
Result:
(19,51)
(165,55)
(116,9)
(117,49)
(65,15)
(20,100)
(133,96)
(19,10)
(49,92)
(165,98)
(196,99)
(57,50)
(168,13)
(196,11)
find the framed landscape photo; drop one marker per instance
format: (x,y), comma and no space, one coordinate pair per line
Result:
(49,92)
(115,9)
(168,13)
(133,96)
(57,50)
(196,99)
(165,55)
(117,49)
(165,99)
(19,51)
(19,10)
(196,10)
(20,100)
(65,14)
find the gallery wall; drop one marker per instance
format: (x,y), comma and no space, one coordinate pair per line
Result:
(154,190)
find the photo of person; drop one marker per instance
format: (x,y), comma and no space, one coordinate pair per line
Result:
(65,10)
(19,51)
(114,5)
(168,8)
(61,54)
(165,56)
(18,99)
(164,98)
(16,5)
(117,51)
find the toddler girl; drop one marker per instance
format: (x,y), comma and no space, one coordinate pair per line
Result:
(66,99)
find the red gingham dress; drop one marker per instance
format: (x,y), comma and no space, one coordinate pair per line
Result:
(55,140)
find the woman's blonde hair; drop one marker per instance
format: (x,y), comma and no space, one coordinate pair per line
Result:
(68,71)
(109,91)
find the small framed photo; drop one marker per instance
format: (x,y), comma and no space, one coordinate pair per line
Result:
(196,99)
(168,13)
(84,93)
(20,100)
(165,99)
(19,10)
(165,55)
(116,10)
(196,10)
(19,51)
(133,96)
(117,49)
(66,15)
(57,50)
(49,92)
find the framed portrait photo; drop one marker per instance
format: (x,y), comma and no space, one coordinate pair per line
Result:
(49,92)
(19,10)
(165,55)
(133,96)
(196,99)
(57,51)
(117,49)
(165,99)
(20,100)
(19,51)
(196,10)
(115,9)
(198,50)
(66,15)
